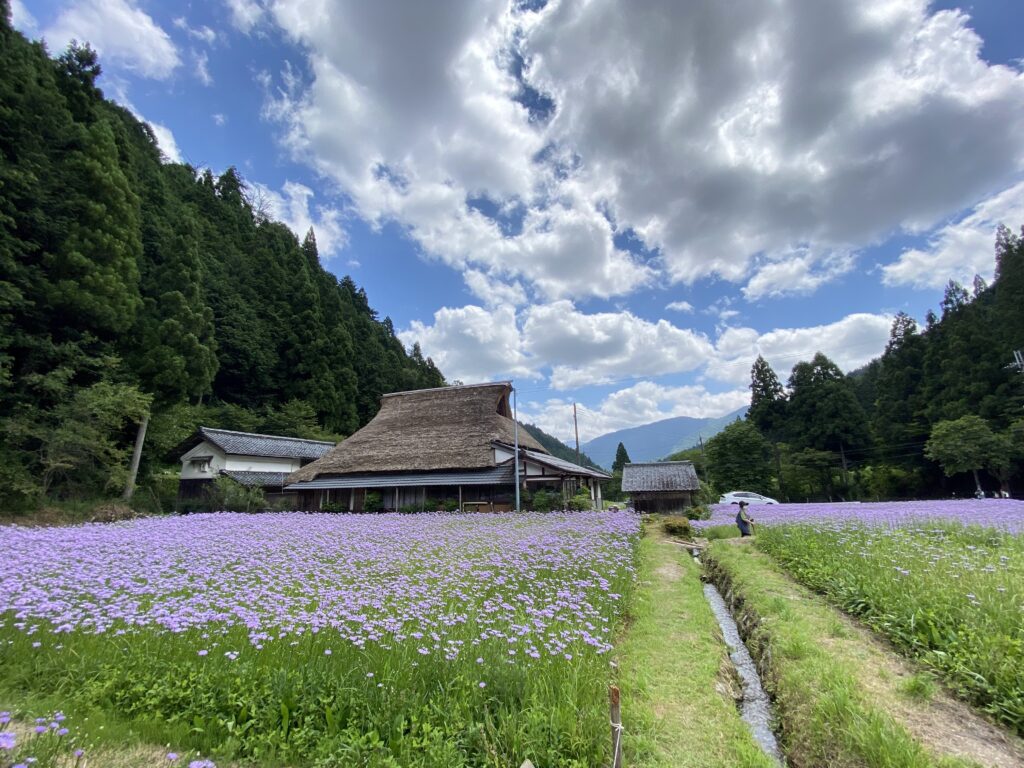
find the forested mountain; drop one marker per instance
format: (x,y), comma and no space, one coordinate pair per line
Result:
(132,287)
(557,448)
(941,401)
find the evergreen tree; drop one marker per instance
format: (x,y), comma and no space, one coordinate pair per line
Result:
(621,459)
(767,399)
(740,458)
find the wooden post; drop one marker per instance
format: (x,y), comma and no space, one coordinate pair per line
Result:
(616,722)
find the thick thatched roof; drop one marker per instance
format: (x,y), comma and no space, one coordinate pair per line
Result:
(427,429)
(659,476)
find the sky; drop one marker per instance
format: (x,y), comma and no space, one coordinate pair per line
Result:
(614,204)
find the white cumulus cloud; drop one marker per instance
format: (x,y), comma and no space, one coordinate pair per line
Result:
(120,32)
(165,139)
(728,139)
(961,249)
(641,403)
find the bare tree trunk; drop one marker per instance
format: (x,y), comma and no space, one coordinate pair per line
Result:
(133,469)
(977,482)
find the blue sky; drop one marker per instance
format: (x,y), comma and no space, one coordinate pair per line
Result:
(615,204)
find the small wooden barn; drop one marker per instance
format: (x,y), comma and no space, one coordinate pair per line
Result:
(450,447)
(660,486)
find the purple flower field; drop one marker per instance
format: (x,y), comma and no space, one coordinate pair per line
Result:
(1005,514)
(367,579)
(328,639)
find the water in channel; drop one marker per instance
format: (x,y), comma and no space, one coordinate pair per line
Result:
(755,709)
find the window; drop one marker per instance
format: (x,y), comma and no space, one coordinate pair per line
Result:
(201,463)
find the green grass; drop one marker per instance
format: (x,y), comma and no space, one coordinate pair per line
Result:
(818,678)
(676,681)
(948,595)
(715,532)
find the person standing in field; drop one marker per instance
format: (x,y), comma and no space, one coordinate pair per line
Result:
(743,521)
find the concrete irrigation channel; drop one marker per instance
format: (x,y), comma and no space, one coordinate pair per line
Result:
(755,706)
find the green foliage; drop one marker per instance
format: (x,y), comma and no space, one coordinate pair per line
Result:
(545,501)
(823,411)
(966,444)
(739,458)
(678,527)
(231,496)
(373,502)
(699,512)
(581,501)
(621,458)
(767,400)
(120,270)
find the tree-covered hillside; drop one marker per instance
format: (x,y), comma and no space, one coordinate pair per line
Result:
(134,290)
(940,398)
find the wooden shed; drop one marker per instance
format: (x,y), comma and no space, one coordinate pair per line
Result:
(661,486)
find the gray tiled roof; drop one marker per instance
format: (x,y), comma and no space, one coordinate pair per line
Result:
(250,444)
(562,465)
(660,476)
(256,479)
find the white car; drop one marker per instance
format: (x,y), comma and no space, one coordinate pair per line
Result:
(753,499)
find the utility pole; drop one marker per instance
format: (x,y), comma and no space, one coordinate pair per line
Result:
(515,419)
(576,427)
(707,469)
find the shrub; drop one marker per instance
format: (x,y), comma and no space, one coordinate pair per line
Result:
(409,509)
(334,506)
(545,501)
(232,496)
(581,501)
(678,527)
(373,502)
(699,512)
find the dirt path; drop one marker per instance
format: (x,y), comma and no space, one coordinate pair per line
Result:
(942,723)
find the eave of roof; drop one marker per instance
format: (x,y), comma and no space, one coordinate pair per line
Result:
(561,465)
(500,475)
(256,479)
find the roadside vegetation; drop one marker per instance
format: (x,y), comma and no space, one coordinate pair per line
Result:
(948,595)
(842,699)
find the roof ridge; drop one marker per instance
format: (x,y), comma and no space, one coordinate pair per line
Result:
(448,387)
(660,463)
(260,434)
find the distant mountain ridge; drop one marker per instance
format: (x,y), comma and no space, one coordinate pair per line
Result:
(657,440)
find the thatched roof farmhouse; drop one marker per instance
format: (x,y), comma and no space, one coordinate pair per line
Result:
(660,486)
(450,445)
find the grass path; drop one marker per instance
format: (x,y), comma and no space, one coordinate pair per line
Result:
(844,697)
(677,682)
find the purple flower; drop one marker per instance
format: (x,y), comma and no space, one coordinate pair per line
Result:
(172,756)
(7,740)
